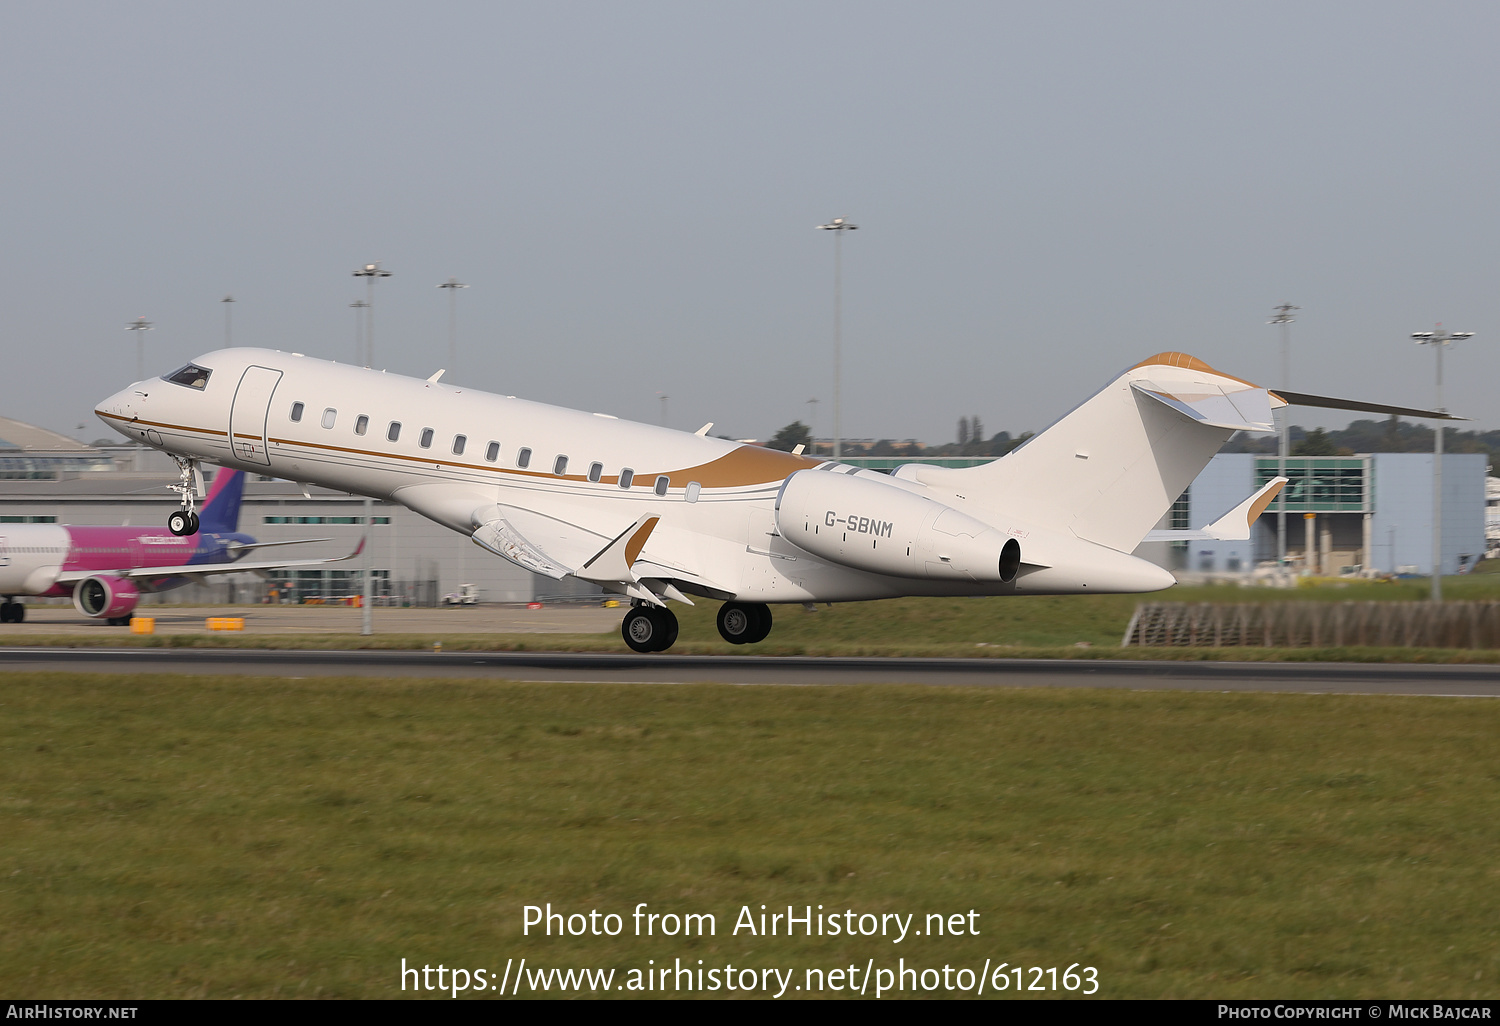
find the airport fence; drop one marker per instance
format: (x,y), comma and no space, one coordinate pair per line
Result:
(1315,625)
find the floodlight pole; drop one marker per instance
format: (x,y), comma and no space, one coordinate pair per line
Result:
(228,302)
(1283,317)
(1438,339)
(838,226)
(452,285)
(140,326)
(370,272)
(812,424)
(358,306)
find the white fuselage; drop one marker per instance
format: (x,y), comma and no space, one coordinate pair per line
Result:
(557,475)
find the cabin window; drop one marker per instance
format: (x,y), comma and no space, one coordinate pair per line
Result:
(560,466)
(297,409)
(425,441)
(523,458)
(596,471)
(627,477)
(361,424)
(459,441)
(691,494)
(329,416)
(393,433)
(661,484)
(492,451)
(192,376)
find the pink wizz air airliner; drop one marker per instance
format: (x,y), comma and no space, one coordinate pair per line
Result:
(107,569)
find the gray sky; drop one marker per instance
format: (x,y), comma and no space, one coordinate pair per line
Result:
(1047,193)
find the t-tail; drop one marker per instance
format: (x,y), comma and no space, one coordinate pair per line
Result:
(220,513)
(1110,469)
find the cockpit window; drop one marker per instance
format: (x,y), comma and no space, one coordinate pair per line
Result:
(192,376)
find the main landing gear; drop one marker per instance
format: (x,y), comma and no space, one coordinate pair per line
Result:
(12,612)
(654,628)
(744,623)
(185,521)
(649,628)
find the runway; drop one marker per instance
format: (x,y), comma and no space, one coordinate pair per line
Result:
(561,667)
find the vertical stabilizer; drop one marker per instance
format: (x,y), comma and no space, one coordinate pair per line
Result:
(221,509)
(1110,469)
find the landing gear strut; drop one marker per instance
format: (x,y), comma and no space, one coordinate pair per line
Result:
(12,612)
(190,485)
(649,628)
(744,623)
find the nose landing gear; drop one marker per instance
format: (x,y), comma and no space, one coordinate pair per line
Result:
(190,486)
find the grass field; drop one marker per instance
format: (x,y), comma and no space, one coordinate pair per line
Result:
(180,837)
(1038,627)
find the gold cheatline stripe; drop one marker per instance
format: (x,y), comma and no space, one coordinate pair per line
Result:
(746,465)
(162,424)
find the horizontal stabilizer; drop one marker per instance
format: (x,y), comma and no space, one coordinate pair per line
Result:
(1240,409)
(1303,399)
(1232,526)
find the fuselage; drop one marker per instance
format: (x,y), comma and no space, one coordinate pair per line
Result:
(582,478)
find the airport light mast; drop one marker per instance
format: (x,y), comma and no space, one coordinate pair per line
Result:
(140,325)
(838,226)
(453,285)
(1283,319)
(1438,339)
(369,273)
(228,302)
(358,307)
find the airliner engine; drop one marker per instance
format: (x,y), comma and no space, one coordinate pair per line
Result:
(105,596)
(885,529)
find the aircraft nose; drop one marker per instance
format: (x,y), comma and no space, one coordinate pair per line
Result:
(120,409)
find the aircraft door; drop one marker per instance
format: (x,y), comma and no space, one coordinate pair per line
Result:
(248,415)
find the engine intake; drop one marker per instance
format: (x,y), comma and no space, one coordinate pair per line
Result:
(885,529)
(104,596)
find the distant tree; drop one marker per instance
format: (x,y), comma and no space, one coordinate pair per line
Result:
(884,447)
(976,429)
(1317,443)
(963,430)
(1001,444)
(791,436)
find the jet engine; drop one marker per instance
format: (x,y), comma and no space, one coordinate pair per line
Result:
(885,529)
(103,596)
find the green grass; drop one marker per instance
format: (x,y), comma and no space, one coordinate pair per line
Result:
(182,837)
(1032,627)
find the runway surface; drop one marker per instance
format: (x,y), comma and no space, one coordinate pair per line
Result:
(1304,678)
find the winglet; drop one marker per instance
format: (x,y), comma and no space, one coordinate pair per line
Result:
(613,562)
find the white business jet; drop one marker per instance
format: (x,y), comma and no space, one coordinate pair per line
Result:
(658,515)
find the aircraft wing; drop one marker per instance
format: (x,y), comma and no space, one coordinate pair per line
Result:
(557,548)
(247,546)
(203,569)
(1232,526)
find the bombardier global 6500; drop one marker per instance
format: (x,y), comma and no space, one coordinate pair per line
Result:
(659,515)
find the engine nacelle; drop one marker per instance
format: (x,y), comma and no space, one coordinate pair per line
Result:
(885,529)
(105,596)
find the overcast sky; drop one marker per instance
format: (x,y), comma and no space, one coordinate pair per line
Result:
(1046,193)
